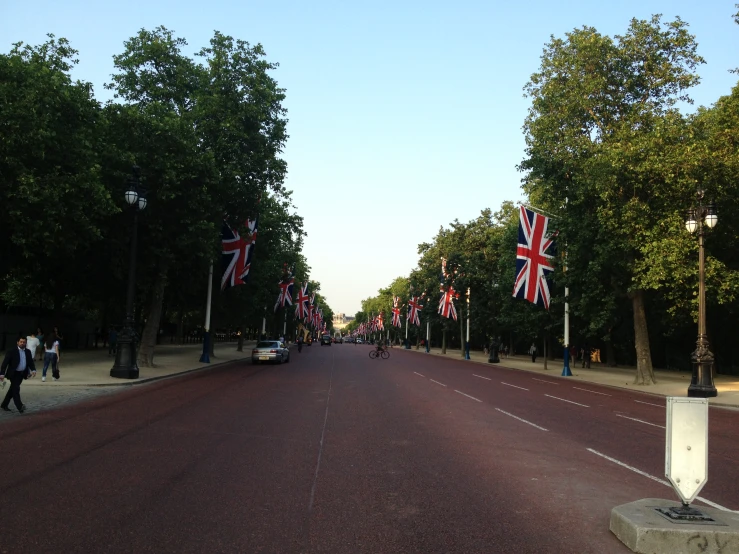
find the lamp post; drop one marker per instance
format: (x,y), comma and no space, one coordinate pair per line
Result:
(701,383)
(125,366)
(467,342)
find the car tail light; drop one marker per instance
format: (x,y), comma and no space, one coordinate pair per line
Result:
(255,351)
(273,351)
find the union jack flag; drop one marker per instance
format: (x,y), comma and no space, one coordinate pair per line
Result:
(396,311)
(380,322)
(533,263)
(414,307)
(446,304)
(309,316)
(301,307)
(237,253)
(285,297)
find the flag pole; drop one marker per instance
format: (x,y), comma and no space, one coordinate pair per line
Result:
(428,346)
(566,372)
(205,356)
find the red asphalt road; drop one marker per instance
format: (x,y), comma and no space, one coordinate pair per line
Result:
(335,452)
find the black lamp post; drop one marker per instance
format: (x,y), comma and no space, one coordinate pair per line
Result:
(125,366)
(701,383)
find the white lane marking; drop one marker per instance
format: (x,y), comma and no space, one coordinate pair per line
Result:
(570,401)
(521,419)
(640,421)
(467,395)
(515,386)
(419,374)
(323,434)
(481,377)
(649,404)
(543,381)
(594,392)
(661,481)
(437,382)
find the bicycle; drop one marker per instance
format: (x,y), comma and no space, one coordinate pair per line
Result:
(384,354)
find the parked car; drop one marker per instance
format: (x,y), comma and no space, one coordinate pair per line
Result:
(359,341)
(270,351)
(325,339)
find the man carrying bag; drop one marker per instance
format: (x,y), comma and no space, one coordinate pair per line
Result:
(17,366)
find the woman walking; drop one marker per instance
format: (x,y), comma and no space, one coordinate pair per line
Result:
(51,357)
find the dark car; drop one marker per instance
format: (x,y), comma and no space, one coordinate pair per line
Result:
(326,339)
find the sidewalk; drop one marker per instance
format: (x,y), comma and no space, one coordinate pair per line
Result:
(92,367)
(669,383)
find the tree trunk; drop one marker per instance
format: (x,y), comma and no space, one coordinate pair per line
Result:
(610,354)
(151,328)
(461,334)
(644,370)
(181,328)
(443,341)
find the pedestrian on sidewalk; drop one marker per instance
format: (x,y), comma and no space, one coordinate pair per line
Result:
(51,357)
(32,343)
(112,340)
(532,351)
(17,366)
(40,337)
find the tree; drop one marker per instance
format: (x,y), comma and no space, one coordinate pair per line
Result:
(594,145)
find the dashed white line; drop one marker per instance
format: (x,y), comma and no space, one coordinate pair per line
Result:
(437,382)
(481,377)
(657,479)
(570,401)
(543,381)
(419,374)
(514,386)
(521,419)
(640,421)
(649,404)
(594,392)
(467,395)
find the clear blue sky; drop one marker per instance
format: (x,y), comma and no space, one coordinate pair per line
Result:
(403,115)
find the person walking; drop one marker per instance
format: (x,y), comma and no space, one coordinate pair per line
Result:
(17,366)
(532,351)
(112,341)
(40,337)
(32,343)
(51,357)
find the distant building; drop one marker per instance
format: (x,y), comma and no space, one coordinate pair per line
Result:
(342,320)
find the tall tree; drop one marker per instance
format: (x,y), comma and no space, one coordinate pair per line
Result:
(593,143)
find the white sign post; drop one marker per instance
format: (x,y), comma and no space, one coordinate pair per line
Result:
(686,446)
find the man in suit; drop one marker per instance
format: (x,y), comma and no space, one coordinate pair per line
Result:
(17,365)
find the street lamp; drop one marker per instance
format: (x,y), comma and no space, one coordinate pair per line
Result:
(125,366)
(701,383)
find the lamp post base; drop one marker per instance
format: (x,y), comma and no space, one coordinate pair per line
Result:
(566,372)
(701,383)
(125,366)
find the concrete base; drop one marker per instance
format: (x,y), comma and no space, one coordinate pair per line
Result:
(640,527)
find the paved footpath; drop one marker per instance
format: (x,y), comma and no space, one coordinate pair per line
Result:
(86,374)
(669,383)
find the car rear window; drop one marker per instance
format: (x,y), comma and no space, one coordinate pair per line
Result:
(268,344)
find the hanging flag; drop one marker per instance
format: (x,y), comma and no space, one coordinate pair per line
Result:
(446,304)
(414,308)
(285,297)
(396,311)
(237,252)
(301,302)
(534,258)
(380,321)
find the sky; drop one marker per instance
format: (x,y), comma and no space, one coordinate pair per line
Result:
(403,115)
